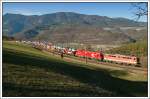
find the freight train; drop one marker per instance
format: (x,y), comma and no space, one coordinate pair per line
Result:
(116,58)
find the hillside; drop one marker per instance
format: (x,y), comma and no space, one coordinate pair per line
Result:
(74,27)
(30,72)
(138,49)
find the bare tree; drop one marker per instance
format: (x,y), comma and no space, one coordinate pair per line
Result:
(140,9)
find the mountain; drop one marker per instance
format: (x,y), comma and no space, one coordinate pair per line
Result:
(73,27)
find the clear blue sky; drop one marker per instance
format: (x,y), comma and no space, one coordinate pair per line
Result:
(104,9)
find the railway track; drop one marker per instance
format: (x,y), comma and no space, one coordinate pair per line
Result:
(129,68)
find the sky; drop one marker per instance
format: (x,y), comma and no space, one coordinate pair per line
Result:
(112,10)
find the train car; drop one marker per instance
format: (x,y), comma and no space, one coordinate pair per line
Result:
(121,59)
(69,51)
(89,54)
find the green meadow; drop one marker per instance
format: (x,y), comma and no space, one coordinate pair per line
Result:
(30,72)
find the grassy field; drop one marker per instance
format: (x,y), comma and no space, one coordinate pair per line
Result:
(30,72)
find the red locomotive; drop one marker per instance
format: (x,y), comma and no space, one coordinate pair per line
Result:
(117,58)
(89,54)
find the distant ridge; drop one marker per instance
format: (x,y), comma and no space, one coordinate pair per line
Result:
(73,27)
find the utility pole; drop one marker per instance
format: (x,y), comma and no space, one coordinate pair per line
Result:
(53,49)
(85,55)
